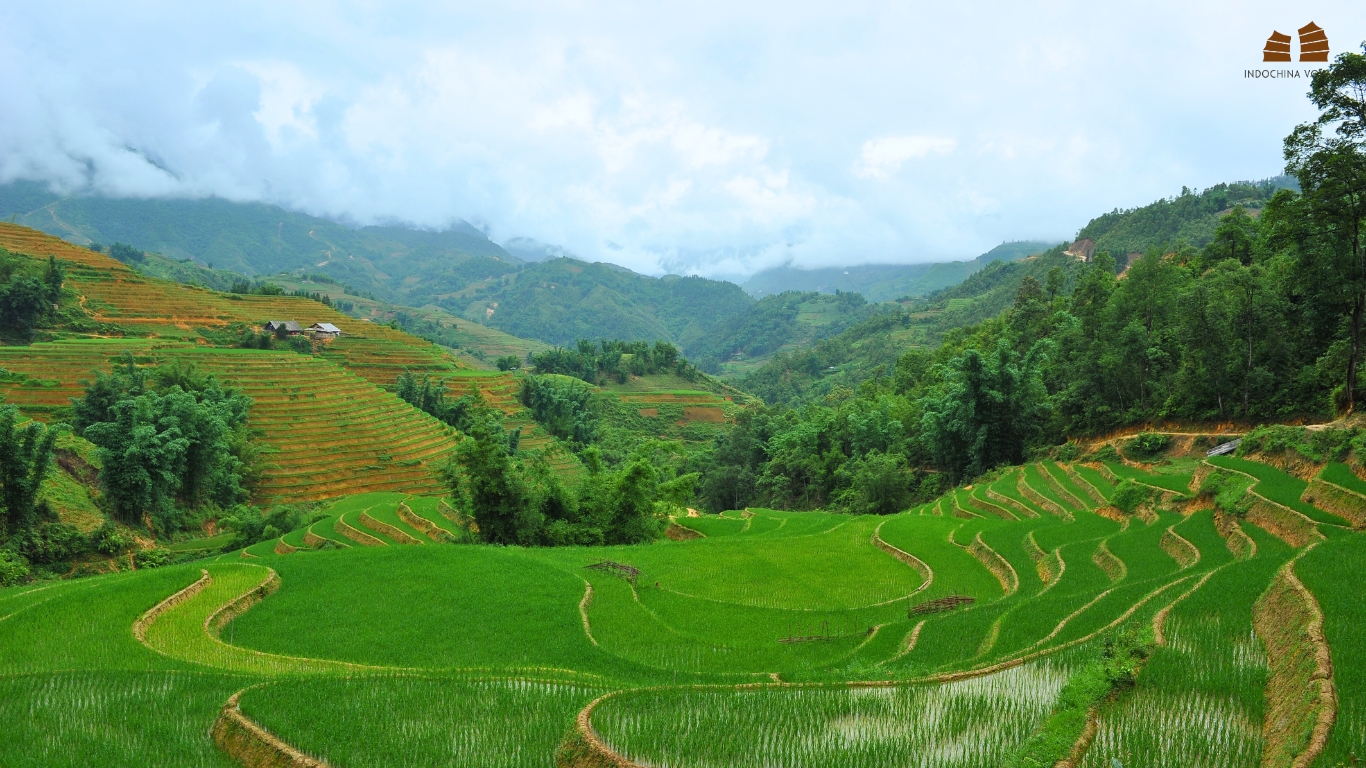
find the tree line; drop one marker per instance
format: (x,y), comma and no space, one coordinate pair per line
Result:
(613,360)
(1263,322)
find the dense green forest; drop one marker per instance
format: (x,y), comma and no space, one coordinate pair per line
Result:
(854,355)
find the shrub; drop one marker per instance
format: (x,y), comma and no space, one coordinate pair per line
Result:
(251,526)
(1106,452)
(509,363)
(301,344)
(126,253)
(1129,496)
(1315,445)
(878,484)
(566,407)
(152,558)
(1115,672)
(52,543)
(1146,445)
(1229,492)
(109,540)
(13,568)
(1068,451)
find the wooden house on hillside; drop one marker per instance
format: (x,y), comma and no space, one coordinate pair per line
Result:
(284,328)
(324,331)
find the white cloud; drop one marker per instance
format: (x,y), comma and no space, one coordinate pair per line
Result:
(707,139)
(881,158)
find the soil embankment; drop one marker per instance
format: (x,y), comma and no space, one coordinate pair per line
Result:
(1301,699)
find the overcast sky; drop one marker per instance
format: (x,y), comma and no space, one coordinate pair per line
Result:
(709,138)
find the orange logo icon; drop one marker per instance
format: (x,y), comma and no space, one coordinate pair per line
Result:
(1313,45)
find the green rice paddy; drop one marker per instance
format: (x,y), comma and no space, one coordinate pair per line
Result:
(736,649)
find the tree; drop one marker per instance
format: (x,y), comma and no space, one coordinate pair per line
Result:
(499,498)
(126,253)
(879,485)
(23,303)
(182,444)
(429,396)
(563,405)
(1245,295)
(1234,237)
(630,518)
(53,279)
(124,381)
(987,409)
(142,450)
(1328,156)
(25,458)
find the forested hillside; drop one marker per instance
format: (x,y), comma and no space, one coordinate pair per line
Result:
(459,270)
(1245,304)
(561,300)
(885,282)
(810,372)
(1189,221)
(1188,218)
(257,239)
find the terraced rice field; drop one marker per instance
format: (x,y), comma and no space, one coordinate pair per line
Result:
(116,294)
(778,638)
(330,433)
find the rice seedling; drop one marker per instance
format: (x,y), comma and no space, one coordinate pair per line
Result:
(1139,546)
(1200,699)
(1096,479)
(1034,477)
(1007,485)
(86,624)
(1342,475)
(1282,488)
(1177,478)
(714,526)
(1333,573)
(976,722)
(432,607)
(1059,475)
(835,569)
(955,571)
(385,721)
(1009,542)
(110,718)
